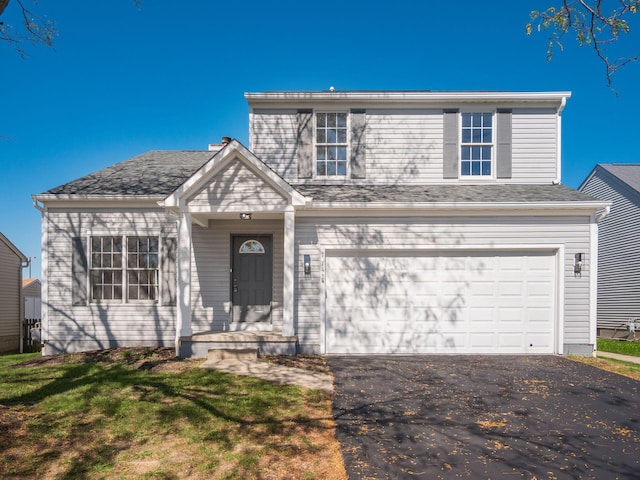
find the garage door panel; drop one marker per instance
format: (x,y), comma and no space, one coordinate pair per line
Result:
(385,302)
(510,315)
(510,288)
(510,340)
(482,340)
(538,315)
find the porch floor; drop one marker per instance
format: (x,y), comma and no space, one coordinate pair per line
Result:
(199,344)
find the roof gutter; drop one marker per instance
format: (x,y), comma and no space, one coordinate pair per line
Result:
(94,201)
(49,197)
(409,96)
(590,206)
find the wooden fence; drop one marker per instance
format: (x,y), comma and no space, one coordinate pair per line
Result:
(31,335)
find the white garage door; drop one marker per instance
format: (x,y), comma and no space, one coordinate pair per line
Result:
(445,303)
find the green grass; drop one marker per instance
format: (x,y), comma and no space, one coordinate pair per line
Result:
(111,420)
(619,346)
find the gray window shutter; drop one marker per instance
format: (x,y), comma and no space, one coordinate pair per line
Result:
(169,276)
(79,271)
(503,133)
(451,148)
(304,147)
(358,143)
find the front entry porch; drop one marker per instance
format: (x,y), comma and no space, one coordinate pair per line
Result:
(266,343)
(235,256)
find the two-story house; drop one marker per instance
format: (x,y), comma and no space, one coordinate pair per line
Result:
(355,222)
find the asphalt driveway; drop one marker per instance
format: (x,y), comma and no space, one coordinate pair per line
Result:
(542,417)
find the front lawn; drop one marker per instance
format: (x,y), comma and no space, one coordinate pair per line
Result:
(619,346)
(135,413)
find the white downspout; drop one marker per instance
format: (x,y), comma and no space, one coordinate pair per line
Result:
(44,269)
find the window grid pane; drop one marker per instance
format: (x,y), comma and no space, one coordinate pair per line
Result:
(106,268)
(142,268)
(331,144)
(106,276)
(477,146)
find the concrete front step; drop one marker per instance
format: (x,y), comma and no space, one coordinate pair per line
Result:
(199,344)
(240,354)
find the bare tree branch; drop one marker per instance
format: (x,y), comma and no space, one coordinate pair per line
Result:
(592,26)
(34,29)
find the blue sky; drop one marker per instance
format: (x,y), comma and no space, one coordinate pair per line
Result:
(123,80)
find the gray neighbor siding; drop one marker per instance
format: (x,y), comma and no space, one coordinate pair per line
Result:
(97,325)
(10,298)
(619,250)
(424,232)
(405,145)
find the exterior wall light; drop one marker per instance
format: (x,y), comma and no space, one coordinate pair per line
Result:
(307,265)
(577,264)
(245,216)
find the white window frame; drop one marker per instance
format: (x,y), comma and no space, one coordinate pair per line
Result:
(102,268)
(138,269)
(316,144)
(491,144)
(124,269)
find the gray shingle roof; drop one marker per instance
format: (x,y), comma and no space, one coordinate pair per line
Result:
(627,173)
(158,172)
(511,193)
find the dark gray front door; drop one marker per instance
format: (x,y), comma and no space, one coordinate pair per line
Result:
(252,278)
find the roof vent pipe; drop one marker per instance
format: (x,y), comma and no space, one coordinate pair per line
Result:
(225,141)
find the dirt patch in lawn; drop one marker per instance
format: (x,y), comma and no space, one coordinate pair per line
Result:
(164,359)
(315,363)
(137,358)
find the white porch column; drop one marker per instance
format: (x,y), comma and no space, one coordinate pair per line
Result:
(288,328)
(183,324)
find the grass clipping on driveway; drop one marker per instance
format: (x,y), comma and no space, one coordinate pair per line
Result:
(141,413)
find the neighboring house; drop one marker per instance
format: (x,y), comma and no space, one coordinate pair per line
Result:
(619,244)
(31,292)
(355,222)
(12,261)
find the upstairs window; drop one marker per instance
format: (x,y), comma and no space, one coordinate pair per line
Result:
(476,145)
(331,144)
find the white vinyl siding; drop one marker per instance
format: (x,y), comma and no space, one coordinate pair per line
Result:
(432,232)
(535,146)
(10,299)
(237,186)
(618,251)
(99,325)
(406,145)
(210,277)
(273,140)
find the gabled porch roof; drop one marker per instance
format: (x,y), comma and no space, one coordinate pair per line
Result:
(202,194)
